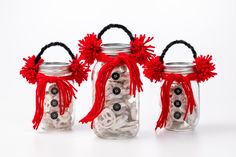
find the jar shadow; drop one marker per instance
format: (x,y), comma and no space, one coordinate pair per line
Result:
(194,142)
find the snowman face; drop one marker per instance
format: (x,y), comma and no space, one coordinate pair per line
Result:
(106,119)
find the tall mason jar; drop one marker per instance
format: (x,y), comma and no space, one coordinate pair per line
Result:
(52,119)
(178,99)
(120,115)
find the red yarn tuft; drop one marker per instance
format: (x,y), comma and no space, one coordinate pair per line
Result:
(142,51)
(90,47)
(153,69)
(30,69)
(79,70)
(204,68)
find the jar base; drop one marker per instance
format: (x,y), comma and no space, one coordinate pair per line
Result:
(120,137)
(45,128)
(180,130)
(116,136)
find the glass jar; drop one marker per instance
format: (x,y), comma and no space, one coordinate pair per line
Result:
(178,99)
(120,115)
(52,119)
(55,93)
(179,93)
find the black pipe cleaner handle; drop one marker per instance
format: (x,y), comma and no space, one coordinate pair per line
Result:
(115,26)
(50,45)
(177,42)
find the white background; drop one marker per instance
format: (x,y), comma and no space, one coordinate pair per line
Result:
(27,25)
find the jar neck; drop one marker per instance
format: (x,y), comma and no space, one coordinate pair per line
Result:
(183,68)
(113,49)
(55,69)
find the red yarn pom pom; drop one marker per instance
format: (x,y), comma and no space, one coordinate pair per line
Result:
(204,68)
(89,47)
(153,69)
(30,70)
(142,51)
(79,70)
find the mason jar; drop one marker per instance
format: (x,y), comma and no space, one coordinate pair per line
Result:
(178,99)
(120,116)
(52,119)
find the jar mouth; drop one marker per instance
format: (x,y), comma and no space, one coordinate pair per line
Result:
(179,67)
(115,48)
(55,68)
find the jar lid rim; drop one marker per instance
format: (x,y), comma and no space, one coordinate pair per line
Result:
(115,48)
(55,68)
(54,64)
(179,64)
(179,67)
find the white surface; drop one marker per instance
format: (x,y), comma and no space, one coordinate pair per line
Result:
(209,25)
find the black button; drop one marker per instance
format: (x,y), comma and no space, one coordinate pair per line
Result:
(54,103)
(54,115)
(177,115)
(54,90)
(177,103)
(115,76)
(178,91)
(116,90)
(116,107)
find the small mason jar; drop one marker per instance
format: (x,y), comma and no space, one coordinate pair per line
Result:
(120,115)
(178,99)
(52,120)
